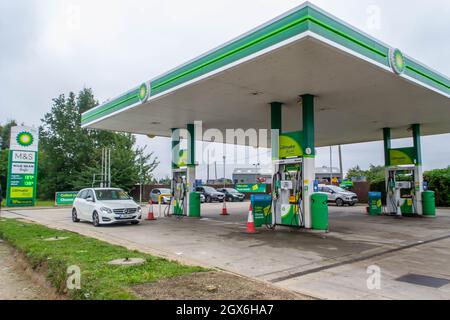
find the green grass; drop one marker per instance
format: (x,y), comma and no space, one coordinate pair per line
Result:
(99,280)
(45,203)
(39,203)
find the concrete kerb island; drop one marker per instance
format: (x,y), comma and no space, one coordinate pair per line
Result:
(305,66)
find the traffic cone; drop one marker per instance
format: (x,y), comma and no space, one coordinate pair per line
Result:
(250,221)
(224,209)
(150,215)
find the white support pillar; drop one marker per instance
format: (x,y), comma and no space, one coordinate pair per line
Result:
(418,178)
(309,157)
(308,188)
(190,181)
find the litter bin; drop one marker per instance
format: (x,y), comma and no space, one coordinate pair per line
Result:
(375,207)
(407,206)
(262,209)
(194,204)
(319,211)
(429,203)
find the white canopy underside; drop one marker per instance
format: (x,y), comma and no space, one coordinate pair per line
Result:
(355,98)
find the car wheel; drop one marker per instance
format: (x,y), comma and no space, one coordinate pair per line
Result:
(339,202)
(95,219)
(208,199)
(351,204)
(75,216)
(135,222)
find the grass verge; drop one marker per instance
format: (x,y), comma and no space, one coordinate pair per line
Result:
(39,203)
(99,280)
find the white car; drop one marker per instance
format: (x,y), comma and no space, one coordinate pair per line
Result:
(105,206)
(338,195)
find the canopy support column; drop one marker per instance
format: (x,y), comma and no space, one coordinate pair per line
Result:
(175,147)
(276,127)
(190,174)
(418,174)
(387,145)
(309,156)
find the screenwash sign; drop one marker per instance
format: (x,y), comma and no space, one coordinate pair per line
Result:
(22,167)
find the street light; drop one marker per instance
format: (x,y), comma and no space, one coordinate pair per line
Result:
(224,171)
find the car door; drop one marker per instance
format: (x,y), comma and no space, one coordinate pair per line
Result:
(90,205)
(80,203)
(329,193)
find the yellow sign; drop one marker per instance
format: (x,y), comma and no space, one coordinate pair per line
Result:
(21,192)
(290,145)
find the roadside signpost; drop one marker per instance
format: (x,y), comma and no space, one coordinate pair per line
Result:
(22,167)
(65,198)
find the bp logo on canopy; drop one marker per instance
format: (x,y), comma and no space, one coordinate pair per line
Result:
(397,61)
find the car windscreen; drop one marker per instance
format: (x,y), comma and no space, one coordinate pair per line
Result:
(111,195)
(165,191)
(231,190)
(209,189)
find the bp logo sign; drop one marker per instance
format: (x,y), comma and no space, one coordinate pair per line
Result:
(144,91)
(25,139)
(397,61)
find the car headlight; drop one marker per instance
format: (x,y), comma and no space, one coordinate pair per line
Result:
(105,210)
(139,209)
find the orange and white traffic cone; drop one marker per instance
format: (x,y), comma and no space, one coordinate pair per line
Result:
(224,209)
(150,215)
(250,221)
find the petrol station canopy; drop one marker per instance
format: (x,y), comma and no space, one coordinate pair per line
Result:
(360,84)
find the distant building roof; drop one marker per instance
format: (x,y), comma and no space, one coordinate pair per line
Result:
(255,171)
(325,170)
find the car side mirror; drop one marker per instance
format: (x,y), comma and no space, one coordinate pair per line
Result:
(90,199)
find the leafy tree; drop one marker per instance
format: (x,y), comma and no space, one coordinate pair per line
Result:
(146,166)
(5,134)
(439,182)
(165,181)
(373,174)
(71,155)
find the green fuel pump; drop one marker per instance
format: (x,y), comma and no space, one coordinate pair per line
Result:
(179,192)
(287,193)
(401,190)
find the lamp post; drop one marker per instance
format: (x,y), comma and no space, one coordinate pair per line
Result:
(224,171)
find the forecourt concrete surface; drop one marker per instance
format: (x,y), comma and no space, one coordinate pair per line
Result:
(323,265)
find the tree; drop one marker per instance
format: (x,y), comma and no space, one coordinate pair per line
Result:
(146,165)
(5,134)
(165,181)
(374,174)
(439,181)
(71,155)
(355,172)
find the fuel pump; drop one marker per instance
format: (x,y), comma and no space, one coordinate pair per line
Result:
(401,191)
(179,192)
(287,193)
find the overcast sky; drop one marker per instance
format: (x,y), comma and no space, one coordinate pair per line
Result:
(49,47)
